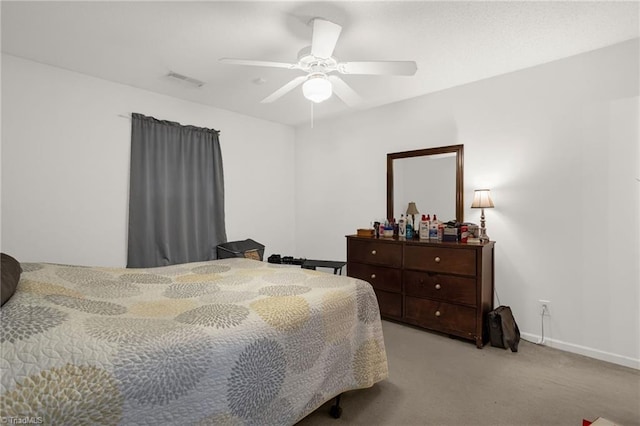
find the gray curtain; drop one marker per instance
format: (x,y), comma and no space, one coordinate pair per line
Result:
(176,198)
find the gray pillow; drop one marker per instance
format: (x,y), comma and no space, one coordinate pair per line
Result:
(11,271)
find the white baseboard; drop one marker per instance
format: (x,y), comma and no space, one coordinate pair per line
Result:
(583,350)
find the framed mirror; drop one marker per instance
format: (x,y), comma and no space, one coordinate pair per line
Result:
(431,177)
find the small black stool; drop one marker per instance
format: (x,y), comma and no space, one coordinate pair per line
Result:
(313,264)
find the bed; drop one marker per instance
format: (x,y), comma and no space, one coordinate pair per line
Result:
(225,342)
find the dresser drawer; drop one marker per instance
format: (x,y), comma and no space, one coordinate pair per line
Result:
(390,304)
(379,277)
(374,252)
(440,259)
(447,288)
(441,316)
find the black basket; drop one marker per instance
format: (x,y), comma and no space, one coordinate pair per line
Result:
(247,248)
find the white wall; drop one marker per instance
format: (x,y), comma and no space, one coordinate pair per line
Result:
(65,166)
(558,146)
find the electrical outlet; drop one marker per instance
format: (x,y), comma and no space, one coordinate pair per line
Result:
(544,307)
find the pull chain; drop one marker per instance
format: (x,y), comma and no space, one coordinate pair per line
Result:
(311,114)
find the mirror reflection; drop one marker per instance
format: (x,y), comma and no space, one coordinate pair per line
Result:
(432,178)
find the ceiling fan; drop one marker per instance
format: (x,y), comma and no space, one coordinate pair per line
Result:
(319,65)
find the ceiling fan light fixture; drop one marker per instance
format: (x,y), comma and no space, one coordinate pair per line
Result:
(317,88)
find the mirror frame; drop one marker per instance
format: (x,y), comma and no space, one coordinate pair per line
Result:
(457,149)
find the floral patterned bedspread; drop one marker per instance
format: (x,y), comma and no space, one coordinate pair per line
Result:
(232,341)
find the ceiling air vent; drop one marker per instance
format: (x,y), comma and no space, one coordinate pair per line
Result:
(185,79)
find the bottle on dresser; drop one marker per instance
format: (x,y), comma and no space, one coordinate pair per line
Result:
(402,227)
(424,227)
(409,232)
(433,228)
(464,233)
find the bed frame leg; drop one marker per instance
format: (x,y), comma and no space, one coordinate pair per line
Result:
(336,410)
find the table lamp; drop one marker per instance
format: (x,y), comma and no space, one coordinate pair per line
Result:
(482,200)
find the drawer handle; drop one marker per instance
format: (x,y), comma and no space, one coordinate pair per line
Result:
(437,259)
(437,313)
(373,276)
(373,252)
(437,286)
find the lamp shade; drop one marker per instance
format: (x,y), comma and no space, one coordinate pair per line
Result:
(412,209)
(317,88)
(482,199)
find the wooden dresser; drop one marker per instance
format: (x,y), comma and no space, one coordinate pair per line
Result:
(445,287)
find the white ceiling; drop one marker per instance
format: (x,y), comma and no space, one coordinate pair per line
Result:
(453,43)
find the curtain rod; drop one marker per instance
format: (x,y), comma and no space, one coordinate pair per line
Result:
(128,117)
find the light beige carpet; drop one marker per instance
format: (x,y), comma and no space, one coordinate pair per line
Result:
(436,380)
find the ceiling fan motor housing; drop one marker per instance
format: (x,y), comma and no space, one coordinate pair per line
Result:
(309,63)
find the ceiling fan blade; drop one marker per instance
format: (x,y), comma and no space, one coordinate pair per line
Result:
(378,67)
(254,63)
(284,89)
(344,91)
(324,39)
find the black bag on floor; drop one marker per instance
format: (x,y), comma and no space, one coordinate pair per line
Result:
(503,330)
